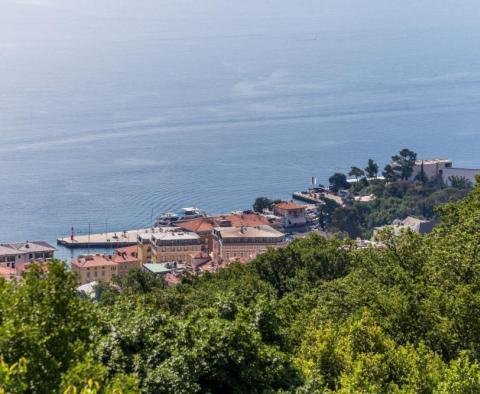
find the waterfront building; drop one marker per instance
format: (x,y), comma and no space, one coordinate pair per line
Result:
(467,173)
(293,214)
(127,259)
(204,226)
(21,253)
(144,242)
(444,169)
(102,267)
(431,168)
(244,242)
(168,246)
(95,268)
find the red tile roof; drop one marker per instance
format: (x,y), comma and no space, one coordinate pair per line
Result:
(289,205)
(205,225)
(126,255)
(198,225)
(93,261)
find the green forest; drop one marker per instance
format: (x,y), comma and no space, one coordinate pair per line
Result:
(319,316)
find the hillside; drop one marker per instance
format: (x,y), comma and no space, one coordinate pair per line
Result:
(317,316)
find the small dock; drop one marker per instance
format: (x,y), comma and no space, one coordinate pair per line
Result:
(315,197)
(117,239)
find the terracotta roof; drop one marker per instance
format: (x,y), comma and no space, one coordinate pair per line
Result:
(198,225)
(205,225)
(126,255)
(93,261)
(289,205)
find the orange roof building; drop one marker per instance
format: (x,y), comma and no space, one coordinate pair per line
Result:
(293,214)
(101,267)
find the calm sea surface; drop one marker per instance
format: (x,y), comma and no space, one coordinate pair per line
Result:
(111,129)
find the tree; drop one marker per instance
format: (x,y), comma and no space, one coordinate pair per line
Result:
(389,173)
(262,203)
(338,181)
(404,163)
(421,176)
(460,182)
(44,321)
(356,172)
(371,169)
(325,211)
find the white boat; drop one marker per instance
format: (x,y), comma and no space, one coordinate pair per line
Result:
(192,213)
(166,219)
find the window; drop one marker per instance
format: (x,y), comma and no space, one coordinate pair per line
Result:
(88,274)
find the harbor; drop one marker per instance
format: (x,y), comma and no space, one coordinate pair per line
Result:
(105,240)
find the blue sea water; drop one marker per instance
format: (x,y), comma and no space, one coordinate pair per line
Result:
(113,113)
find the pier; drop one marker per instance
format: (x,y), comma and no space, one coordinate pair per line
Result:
(117,239)
(315,197)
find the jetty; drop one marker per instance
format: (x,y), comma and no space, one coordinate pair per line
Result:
(116,239)
(315,197)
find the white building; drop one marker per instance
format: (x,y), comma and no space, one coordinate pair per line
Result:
(431,167)
(293,214)
(443,168)
(25,252)
(467,173)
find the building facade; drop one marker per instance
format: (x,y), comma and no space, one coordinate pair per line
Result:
(21,253)
(168,246)
(431,168)
(468,173)
(293,214)
(98,268)
(244,242)
(102,267)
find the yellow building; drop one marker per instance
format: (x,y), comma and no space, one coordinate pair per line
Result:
(102,268)
(244,242)
(168,245)
(99,268)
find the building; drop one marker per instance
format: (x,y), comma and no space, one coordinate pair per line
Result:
(416,225)
(443,168)
(431,168)
(102,267)
(196,260)
(161,269)
(127,259)
(98,267)
(168,245)
(293,214)
(244,242)
(204,226)
(467,173)
(25,252)
(145,242)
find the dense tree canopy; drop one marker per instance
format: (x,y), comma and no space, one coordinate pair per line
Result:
(319,316)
